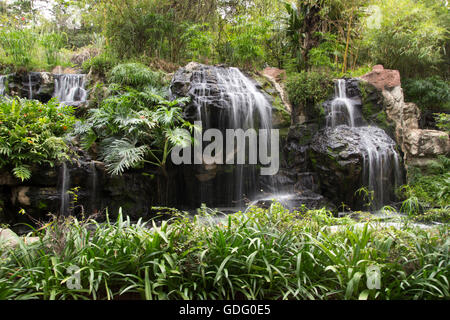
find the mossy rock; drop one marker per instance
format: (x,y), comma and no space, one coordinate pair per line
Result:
(373,108)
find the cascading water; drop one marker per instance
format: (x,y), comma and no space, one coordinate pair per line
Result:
(30,87)
(238,105)
(2,85)
(342,109)
(70,88)
(65,184)
(382,169)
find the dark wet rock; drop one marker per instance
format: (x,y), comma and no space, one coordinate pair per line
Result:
(338,160)
(36,85)
(297,145)
(338,154)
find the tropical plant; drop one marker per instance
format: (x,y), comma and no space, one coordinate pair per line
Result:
(100,65)
(135,75)
(199,41)
(430,94)
(443,121)
(31,133)
(246,39)
(135,127)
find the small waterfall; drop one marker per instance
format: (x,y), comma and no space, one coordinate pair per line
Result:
(30,87)
(226,99)
(65,184)
(342,109)
(381,165)
(2,85)
(70,88)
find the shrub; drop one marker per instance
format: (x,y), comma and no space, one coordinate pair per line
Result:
(136,75)
(31,133)
(100,65)
(443,121)
(431,186)
(307,90)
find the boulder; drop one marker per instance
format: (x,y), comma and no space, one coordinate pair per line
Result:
(8,238)
(62,70)
(342,156)
(83,55)
(297,145)
(382,78)
(337,158)
(36,85)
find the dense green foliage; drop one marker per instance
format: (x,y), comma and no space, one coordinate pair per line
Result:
(136,75)
(262,254)
(332,35)
(443,121)
(409,37)
(306,91)
(17,45)
(100,65)
(431,186)
(31,133)
(430,94)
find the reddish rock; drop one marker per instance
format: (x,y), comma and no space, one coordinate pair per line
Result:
(382,78)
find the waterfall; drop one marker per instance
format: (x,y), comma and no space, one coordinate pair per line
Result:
(70,88)
(30,87)
(342,109)
(65,184)
(226,99)
(381,162)
(2,85)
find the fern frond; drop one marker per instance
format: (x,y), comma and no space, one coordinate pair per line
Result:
(22,172)
(123,154)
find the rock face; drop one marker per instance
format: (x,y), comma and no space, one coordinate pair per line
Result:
(339,156)
(35,85)
(338,160)
(135,192)
(419,146)
(276,76)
